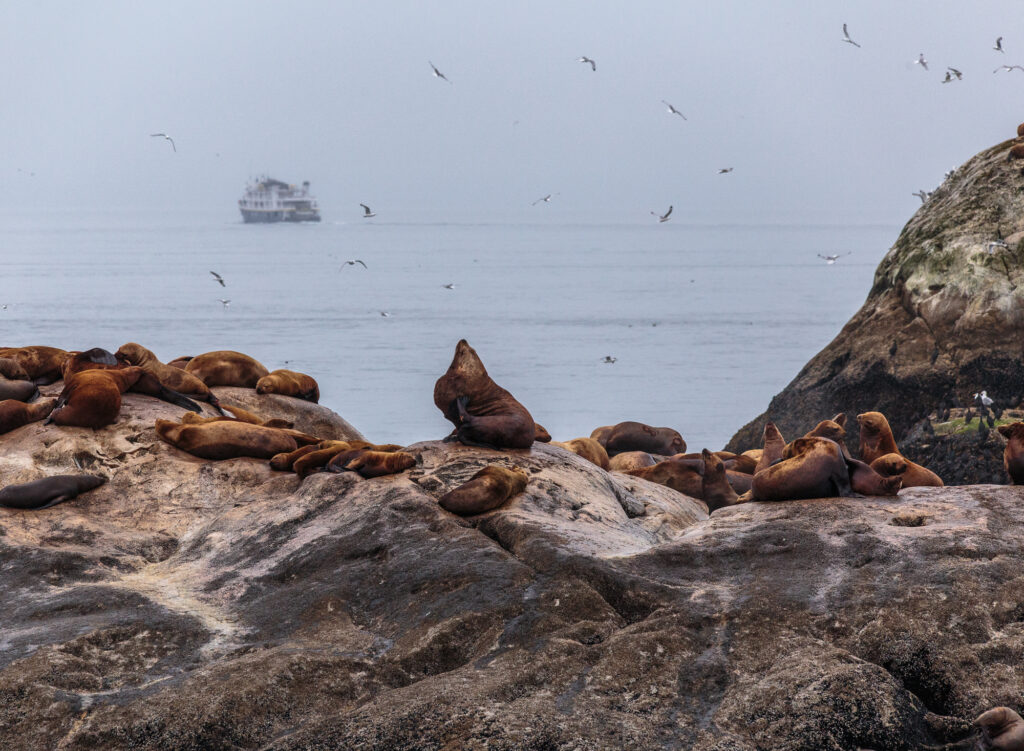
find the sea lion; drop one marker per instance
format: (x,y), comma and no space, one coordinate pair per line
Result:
(866,481)
(773,446)
(283,462)
(369,463)
(1020,131)
(180,362)
(1001,728)
(302,439)
(14,414)
(816,469)
(630,460)
(636,436)
(715,488)
(175,378)
(587,448)
(49,491)
(92,398)
(601,434)
(740,481)
(742,463)
(677,474)
(875,437)
(913,475)
(487,490)
(289,383)
(1013,454)
(237,413)
(20,390)
(483,413)
(833,430)
(317,460)
(1017,152)
(226,368)
(540,434)
(227,439)
(11,370)
(41,364)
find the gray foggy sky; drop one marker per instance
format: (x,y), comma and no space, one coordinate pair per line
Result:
(341,94)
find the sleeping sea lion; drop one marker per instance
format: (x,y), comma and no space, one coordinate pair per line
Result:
(226,368)
(875,437)
(636,436)
(320,459)
(483,413)
(11,370)
(815,469)
(587,448)
(680,475)
(601,434)
(174,378)
(96,358)
(20,390)
(289,383)
(1002,729)
(913,475)
(41,364)
(283,462)
(540,434)
(487,490)
(370,463)
(742,463)
(14,414)
(1017,152)
(630,460)
(92,398)
(715,488)
(228,439)
(49,491)
(1013,454)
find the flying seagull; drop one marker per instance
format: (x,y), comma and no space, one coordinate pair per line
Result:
(956,73)
(999,45)
(166,137)
(725,170)
(609,358)
(585,59)
(846,37)
(437,73)
(832,259)
(353,262)
(384,314)
(366,211)
(224,302)
(450,285)
(921,61)
(1008,68)
(545,199)
(218,278)
(663,217)
(673,110)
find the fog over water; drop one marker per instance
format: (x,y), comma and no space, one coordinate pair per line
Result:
(108,235)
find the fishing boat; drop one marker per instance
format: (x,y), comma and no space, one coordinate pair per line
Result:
(270,200)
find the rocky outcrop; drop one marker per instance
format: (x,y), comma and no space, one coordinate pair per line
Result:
(942,320)
(189,604)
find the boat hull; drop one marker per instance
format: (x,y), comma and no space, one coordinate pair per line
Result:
(250,216)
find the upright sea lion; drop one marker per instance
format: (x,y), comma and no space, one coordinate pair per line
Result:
(42,364)
(636,436)
(14,414)
(49,491)
(715,488)
(226,368)
(173,378)
(487,490)
(630,460)
(1001,728)
(833,430)
(587,448)
(11,370)
(20,390)
(1020,131)
(289,383)
(92,398)
(913,475)
(773,446)
(1013,454)
(228,439)
(483,413)
(371,463)
(816,469)
(875,437)
(679,475)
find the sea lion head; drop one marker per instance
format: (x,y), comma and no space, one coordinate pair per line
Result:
(891,485)
(11,369)
(889,465)
(873,423)
(712,464)
(829,429)
(770,432)
(1013,430)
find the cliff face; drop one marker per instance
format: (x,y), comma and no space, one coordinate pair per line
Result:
(196,605)
(943,319)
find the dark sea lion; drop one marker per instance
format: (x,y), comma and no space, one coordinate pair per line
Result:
(866,481)
(715,488)
(587,448)
(49,491)
(630,460)
(43,365)
(228,439)
(483,413)
(1001,728)
(174,378)
(1013,454)
(488,489)
(370,463)
(913,475)
(20,390)
(1017,152)
(289,383)
(14,414)
(540,434)
(92,398)
(12,370)
(226,368)
(740,481)
(636,436)
(773,446)
(875,437)
(816,469)
(680,475)
(601,434)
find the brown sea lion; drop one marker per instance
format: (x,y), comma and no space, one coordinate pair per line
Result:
(92,398)
(487,490)
(875,437)
(715,488)
(284,462)
(680,475)
(318,460)
(49,491)
(371,463)
(601,434)
(96,358)
(1020,131)
(14,414)
(237,413)
(1001,728)
(483,413)
(740,481)
(227,439)
(540,434)
(741,463)
(20,390)
(587,448)
(913,475)
(773,446)
(630,460)
(754,454)
(636,436)
(1017,152)
(180,362)
(226,368)
(289,383)
(1013,454)
(866,481)
(41,364)
(174,378)
(12,370)
(816,469)
(833,430)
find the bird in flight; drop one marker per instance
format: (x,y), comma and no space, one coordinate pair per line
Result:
(999,44)
(725,170)
(1008,68)
(165,137)
(437,73)
(218,278)
(921,61)
(545,199)
(385,314)
(353,262)
(673,110)
(450,285)
(224,302)
(366,211)
(585,59)
(832,259)
(955,72)
(609,359)
(922,195)
(663,217)
(846,37)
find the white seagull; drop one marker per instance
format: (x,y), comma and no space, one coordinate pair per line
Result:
(224,302)
(663,217)
(984,399)
(955,72)
(993,244)
(673,110)
(1008,68)
(921,61)
(922,195)
(832,259)
(999,44)
(585,59)
(846,37)
(218,278)
(366,211)
(165,137)
(353,262)
(437,73)
(385,314)
(545,199)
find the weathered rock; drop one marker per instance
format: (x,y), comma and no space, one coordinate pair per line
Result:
(942,320)
(196,605)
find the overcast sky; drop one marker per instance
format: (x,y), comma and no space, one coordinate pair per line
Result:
(341,94)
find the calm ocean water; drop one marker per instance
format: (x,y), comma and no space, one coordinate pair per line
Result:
(707,322)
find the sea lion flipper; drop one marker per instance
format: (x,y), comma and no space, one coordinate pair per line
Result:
(459,405)
(169,395)
(214,402)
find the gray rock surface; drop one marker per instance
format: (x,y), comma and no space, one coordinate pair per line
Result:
(190,604)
